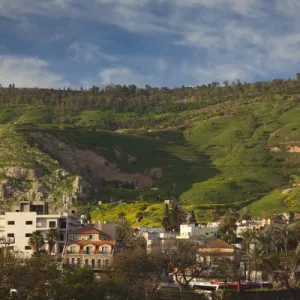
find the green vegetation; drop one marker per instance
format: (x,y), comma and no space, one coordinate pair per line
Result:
(213,147)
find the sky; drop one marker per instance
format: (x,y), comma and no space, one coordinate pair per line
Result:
(81,43)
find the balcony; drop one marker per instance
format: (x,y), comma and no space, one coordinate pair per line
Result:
(83,252)
(94,262)
(7,240)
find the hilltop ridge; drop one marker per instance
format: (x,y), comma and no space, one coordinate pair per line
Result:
(212,146)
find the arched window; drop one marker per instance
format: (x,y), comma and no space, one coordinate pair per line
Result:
(93,263)
(73,261)
(99,263)
(78,261)
(86,262)
(106,263)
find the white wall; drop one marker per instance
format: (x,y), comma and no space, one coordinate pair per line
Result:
(20,228)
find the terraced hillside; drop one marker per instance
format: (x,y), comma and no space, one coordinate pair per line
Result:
(243,150)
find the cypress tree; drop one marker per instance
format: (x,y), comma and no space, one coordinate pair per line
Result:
(193,217)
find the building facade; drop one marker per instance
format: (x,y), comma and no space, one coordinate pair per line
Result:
(201,232)
(17,227)
(88,246)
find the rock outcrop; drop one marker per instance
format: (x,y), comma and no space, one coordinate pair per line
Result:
(20,173)
(91,166)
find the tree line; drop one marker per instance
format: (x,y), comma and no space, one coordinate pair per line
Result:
(130,98)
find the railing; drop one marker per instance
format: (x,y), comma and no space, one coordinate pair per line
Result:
(82,252)
(87,253)
(7,240)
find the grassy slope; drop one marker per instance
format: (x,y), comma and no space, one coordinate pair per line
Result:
(214,161)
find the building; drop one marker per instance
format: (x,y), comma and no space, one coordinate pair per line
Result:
(89,246)
(255,225)
(218,249)
(201,232)
(157,239)
(17,227)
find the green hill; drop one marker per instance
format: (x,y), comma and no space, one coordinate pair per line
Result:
(212,147)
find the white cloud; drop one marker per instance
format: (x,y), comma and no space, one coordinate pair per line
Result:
(89,52)
(219,73)
(162,65)
(119,75)
(28,72)
(235,38)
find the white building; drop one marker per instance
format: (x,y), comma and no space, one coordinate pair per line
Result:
(157,239)
(193,231)
(17,227)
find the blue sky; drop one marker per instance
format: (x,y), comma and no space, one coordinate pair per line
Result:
(57,43)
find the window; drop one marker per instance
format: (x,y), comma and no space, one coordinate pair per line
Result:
(28,235)
(105,250)
(52,224)
(88,250)
(86,262)
(91,237)
(11,235)
(93,263)
(106,263)
(61,237)
(99,263)
(72,249)
(27,248)
(71,237)
(10,222)
(78,261)
(28,222)
(73,261)
(63,225)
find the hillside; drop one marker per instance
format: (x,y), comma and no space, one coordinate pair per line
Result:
(213,147)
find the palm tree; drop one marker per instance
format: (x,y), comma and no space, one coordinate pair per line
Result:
(265,240)
(258,261)
(247,237)
(51,237)
(36,241)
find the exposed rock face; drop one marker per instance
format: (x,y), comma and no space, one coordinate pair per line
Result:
(6,190)
(274,149)
(80,188)
(89,165)
(16,172)
(38,192)
(61,173)
(13,189)
(293,149)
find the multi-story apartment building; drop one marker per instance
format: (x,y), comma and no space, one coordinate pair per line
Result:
(90,246)
(17,227)
(202,232)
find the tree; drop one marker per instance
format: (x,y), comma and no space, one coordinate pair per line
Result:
(185,263)
(258,261)
(244,214)
(247,237)
(291,217)
(51,237)
(124,233)
(193,217)
(227,229)
(177,217)
(36,241)
(136,275)
(139,216)
(166,222)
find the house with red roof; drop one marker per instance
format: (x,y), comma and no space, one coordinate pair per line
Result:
(88,246)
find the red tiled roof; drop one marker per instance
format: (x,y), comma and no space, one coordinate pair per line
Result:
(217,244)
(87,230)
(91,242)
